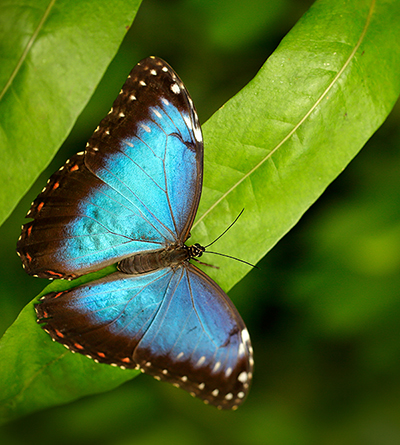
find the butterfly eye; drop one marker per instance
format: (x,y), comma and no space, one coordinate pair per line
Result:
(196,250)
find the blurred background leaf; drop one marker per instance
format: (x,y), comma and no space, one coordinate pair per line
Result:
(323,312)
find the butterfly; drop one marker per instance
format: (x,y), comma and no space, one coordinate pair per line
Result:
(131,198)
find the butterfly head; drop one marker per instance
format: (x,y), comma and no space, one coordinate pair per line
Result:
(196,250)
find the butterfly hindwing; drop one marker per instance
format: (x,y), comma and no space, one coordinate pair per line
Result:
(174,324)
(198,341)
(106,318)
(135,188)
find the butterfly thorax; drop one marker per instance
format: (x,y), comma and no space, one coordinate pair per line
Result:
(173,255)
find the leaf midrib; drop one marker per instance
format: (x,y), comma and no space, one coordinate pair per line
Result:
(302,120)
(27,49)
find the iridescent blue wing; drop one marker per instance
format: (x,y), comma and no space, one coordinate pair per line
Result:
(175,324)
(135,188)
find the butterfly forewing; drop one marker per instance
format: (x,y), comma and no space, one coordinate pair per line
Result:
(135,188)
(152,137)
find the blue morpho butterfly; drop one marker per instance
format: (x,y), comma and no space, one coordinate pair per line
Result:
(131,197)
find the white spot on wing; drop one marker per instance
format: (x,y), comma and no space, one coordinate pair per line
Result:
(242,377)
(216,367)
(188,121)
(175,88)
(156,112)
(245,336)
(146,128)
(201,360)
(153,72)
(197,134)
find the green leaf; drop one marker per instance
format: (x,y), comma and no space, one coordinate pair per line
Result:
(272,149)
(275,147)
(53,55)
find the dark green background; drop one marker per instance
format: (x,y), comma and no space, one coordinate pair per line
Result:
(323,310)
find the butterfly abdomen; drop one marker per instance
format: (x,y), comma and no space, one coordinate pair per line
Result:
(150,261)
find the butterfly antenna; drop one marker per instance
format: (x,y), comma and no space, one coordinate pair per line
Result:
(233,258)
(223,233)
